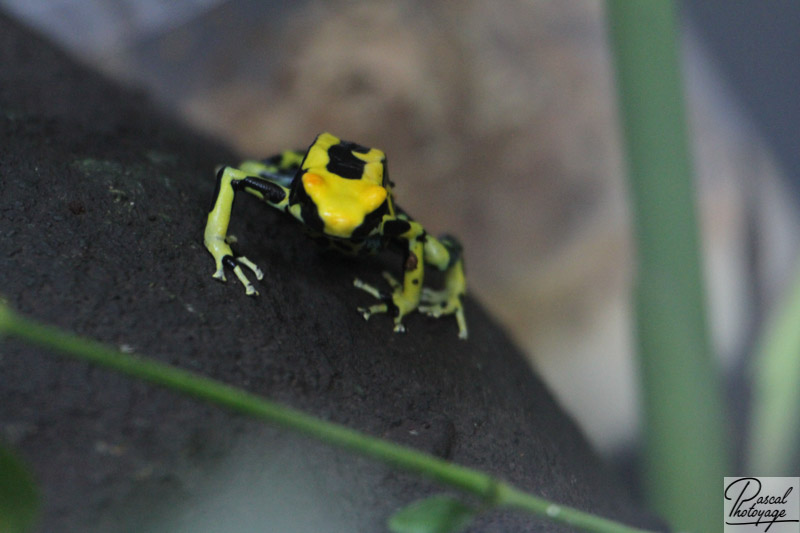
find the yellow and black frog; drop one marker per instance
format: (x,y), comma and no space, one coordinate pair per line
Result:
(341,193)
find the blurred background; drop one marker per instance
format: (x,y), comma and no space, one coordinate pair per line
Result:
(500,124)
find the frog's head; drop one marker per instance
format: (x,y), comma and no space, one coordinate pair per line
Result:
(342,188)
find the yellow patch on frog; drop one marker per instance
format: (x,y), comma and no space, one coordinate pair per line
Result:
(341,203)
(317,156)
(373,165)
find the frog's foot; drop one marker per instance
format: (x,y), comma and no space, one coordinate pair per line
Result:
(444,302)
(395,304)
(224,257)
(235,264)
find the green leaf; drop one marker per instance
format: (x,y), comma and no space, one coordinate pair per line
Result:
(19,499)
(437,514)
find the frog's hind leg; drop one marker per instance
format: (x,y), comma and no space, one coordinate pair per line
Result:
(445,254)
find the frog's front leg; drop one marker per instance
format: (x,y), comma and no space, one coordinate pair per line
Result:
(229,181)
(405,296)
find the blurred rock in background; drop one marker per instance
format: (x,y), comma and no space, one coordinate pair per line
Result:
(499,122)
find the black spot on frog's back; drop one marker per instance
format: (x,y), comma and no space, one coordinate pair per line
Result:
(342,162)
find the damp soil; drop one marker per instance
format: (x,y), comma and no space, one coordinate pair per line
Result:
(102,207)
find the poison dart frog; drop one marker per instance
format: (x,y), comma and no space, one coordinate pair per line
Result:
(341,193)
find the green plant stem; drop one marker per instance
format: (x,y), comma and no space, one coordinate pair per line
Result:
(494,492)
(774,430)
(685,455)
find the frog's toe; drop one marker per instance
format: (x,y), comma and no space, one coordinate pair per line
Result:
(252,266)
(367,312)
(370,289)
(235,264)
(431,310)
(219,274)
(249,288)
(392,281)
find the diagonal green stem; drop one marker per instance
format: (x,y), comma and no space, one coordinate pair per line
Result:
(493,491)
